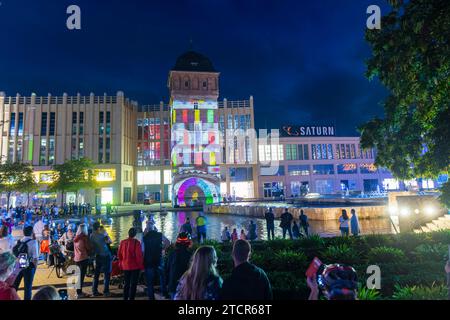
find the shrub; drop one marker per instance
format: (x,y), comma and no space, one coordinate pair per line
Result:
(432,252)
(435,292)
(280,244)
(340,254)
(286,286)
(442,236)
(313,241)
(368,294)
(385,254)
(284,260)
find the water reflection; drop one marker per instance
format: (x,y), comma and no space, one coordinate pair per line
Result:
(169,223)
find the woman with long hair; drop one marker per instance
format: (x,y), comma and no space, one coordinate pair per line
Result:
(201,281)
(344,223)
(82,250)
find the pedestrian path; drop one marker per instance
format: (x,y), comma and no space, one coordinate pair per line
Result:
(45,276)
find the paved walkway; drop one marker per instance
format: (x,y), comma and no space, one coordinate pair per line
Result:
(45,276)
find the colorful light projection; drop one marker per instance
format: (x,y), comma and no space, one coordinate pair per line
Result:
(194,104)
(210,191)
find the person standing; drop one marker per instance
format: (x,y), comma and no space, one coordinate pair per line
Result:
(286,222)
(38,228)
(178,262)
(343,223)
(103,261)
(186,227)
(131,262)
(247,281)
(252,231)
(354,224)
(82,250)
(226,236)
(304,222)
(270,223)
(152,246)
(6,240)
(201,227)
(242,236)
(295,230)
(29,247)
(234,235)
(201,281)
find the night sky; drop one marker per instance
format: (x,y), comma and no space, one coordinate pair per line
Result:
(303,61)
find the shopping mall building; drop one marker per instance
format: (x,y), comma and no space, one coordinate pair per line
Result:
(193,148)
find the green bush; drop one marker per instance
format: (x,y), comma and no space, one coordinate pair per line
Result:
(313,241)
(385,254)
(432,252)
(340,254)
(442,236)
(368,294)
(435,292)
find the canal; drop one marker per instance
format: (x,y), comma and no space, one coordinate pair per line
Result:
(170,222)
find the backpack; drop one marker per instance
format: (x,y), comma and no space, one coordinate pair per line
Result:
(21,248)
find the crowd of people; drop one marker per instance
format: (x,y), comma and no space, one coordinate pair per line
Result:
(147,256)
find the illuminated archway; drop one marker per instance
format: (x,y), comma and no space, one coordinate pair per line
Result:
(210,191)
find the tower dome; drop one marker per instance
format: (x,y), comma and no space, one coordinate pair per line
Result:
(193,61)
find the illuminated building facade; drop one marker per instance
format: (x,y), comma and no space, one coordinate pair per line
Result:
(44,131)
(181,150)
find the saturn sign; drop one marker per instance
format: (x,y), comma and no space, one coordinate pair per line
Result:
(307,131)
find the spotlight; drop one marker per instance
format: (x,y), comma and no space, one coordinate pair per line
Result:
(416,211)
(404,212)
(392,210)
(429,210)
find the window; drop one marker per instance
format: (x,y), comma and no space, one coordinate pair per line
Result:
(100,150)
(273,189)
(323,169)
(19,148)
(126,194)
(73,154)
(81,125)
(101,127)
(204,84)
(108,122)
(51,150)
(298,170)
(80,147)
(108,150)
(44,124)
(52,124)
(43,152)
(347,168)
(11,150)
(74,123)
(12,124)
(20,126)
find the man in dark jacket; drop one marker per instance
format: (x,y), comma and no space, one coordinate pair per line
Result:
(152,246)
(178,262)
(286,223)
(270,222)
(247,281)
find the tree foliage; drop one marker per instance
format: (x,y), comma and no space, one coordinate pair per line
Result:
(16,177)
(411,57)
(73,176)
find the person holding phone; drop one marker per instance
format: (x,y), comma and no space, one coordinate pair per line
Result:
(103,259)
(27,247)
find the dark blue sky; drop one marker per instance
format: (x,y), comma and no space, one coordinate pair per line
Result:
(303,61)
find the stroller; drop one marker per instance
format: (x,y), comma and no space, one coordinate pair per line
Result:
(117,278)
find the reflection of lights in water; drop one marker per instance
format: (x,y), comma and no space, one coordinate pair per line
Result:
(170,224)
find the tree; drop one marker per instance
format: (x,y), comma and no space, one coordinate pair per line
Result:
(411,57)
(73,176)
(15,176)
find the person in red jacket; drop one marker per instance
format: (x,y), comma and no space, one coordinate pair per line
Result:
(131,262)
